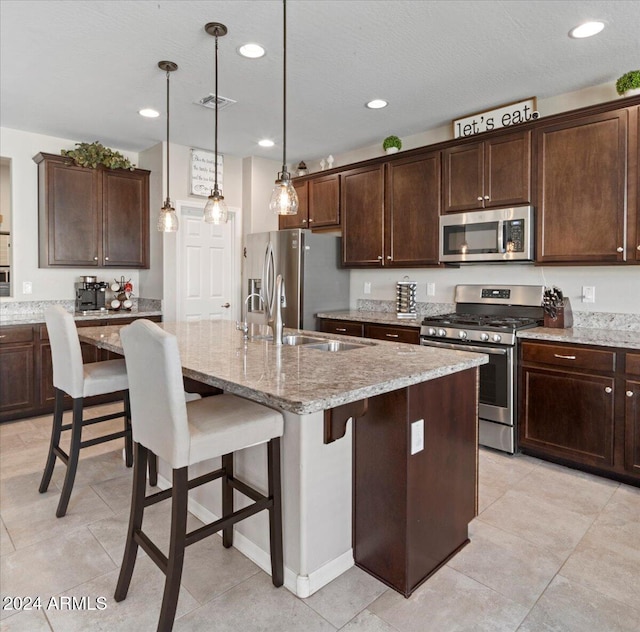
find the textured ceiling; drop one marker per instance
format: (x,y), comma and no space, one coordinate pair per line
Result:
(82,70)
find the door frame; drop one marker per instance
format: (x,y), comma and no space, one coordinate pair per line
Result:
(194,208)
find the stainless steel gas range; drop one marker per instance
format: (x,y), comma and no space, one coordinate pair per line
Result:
(486,320)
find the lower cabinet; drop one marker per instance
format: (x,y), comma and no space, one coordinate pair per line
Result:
(579,407)
(370,330)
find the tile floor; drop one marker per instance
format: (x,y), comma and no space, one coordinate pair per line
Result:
(552,550)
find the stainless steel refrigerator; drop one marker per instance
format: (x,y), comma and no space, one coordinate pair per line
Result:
(310,266)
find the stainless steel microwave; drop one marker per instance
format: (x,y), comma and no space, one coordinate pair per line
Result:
(504,234)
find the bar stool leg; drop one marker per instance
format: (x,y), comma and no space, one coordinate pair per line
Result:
(128,441)
(275,512)
(135,521)
(227,498)
(74,455)
(179,496)
(55,441)
(153,469)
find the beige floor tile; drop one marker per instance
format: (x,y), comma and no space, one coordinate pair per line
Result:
(94,468)
(116,492)
(346,596)
(22,490)
(542,523)
(37,521)
(366,621)
(506,563)
(452,602)
(485,500)
(111,533)
(6,545)
(254,605)
(26,621)
(10,443)
(13,428)
(498,472)
(139,612)
(27,460)
(53,566)
(567,606)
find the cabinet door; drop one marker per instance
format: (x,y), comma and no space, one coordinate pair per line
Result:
(463,177)
(362,205)
(342,327)
(412,211)
(581,189)
(633,187)
(507,170)
(568,414)
(300,219)
(125,199)
(69,208)
(632,426)
(324,201)
(16,377)
(393,334)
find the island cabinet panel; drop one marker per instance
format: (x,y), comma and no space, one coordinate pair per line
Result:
(411,511)
(488,174)
(91,217)
(581,200)
(17,361)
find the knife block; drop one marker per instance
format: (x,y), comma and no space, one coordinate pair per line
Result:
(563,319)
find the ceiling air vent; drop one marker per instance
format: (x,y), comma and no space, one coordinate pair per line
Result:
(210,102)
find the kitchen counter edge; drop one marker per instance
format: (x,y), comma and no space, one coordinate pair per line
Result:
(597,337)
(38,318)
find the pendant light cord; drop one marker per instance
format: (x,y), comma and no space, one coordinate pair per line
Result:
(215,166)
(168,195)
(284,88)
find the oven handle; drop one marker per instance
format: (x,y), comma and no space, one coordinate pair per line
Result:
(458,347)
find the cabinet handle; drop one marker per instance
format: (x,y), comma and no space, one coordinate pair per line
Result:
(392,335)
(3,336)
(564,357)
(304,221)
(95,258)
(479,198)
(379,257)
(619,249)
(310,220)
(106,258)
(389,257)
(608,389)
(638,248)
(486,197)
(340,329)
(629,393)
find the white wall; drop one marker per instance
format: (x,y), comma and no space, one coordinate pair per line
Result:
(259,176)
(48,283)
(5,195)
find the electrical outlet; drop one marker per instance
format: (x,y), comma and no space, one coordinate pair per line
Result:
(27,287)
(367,287)
(431,289)
(417,436)
(588,294)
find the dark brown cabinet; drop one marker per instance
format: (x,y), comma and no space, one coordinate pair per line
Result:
(319,204)
(91,217)
(581,197)
(342,327)
(633,187)
(393,334)
(488,174)
(578,407)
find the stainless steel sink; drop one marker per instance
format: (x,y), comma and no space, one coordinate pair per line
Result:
(337,345)
(294,340)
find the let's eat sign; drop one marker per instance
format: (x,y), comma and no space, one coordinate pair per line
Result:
(504,116)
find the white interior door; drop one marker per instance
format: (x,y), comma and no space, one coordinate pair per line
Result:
(208,279)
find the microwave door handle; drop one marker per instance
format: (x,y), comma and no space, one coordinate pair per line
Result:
(502,229)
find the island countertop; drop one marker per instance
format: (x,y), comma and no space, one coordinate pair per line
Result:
(297,379)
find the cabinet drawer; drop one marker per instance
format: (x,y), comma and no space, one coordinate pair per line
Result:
(394,334)
(10,335)
(569,356)
(341,327)
(632,363)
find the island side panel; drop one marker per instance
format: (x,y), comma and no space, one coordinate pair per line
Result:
(411,511)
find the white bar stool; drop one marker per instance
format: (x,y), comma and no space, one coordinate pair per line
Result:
(183,434)
(79,380)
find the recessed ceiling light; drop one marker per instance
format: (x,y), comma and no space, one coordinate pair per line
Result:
(252,51)
(265,142)
(149,113)
(376,104)
(586,30)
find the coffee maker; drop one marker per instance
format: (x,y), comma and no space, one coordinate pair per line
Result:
(90,295)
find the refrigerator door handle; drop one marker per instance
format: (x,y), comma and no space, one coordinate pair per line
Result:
(268,281)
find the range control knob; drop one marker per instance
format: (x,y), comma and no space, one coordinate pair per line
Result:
(442,332)
(496,337)
(484,337)
(462,334)
(431,331)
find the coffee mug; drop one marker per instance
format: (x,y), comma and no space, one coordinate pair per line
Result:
(115,303)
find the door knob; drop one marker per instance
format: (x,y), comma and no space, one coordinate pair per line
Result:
(226,305)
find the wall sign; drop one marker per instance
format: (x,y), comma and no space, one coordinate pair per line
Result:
(504,116)
(202,172)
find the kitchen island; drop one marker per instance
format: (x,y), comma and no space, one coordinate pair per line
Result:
(381,419)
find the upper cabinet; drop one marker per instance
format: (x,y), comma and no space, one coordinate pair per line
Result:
(492,173)
(581,190)
(91,217)
(633,190)
(319,204)
(391,211)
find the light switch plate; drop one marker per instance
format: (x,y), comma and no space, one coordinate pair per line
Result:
(27,287)
(367,287)
(417,436)
(431,289)
(588,294)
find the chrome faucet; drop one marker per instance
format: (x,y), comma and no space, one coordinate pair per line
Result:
(244,326)
(275,321)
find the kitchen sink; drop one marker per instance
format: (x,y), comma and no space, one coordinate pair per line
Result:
(338,345)
(294,340)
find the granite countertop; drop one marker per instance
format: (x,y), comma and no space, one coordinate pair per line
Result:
(38,317)
(298,379)
(379,318)
(585,336)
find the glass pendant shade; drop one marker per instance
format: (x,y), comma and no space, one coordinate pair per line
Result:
(167,219)
(216,211)
(284,199)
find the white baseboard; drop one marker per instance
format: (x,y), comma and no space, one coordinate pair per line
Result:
(300,585)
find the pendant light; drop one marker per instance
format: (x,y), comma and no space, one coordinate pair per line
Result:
(167,219)
(284,199)
(215,211)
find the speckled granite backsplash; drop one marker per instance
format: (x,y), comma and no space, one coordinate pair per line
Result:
(37,307)
(581,320)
